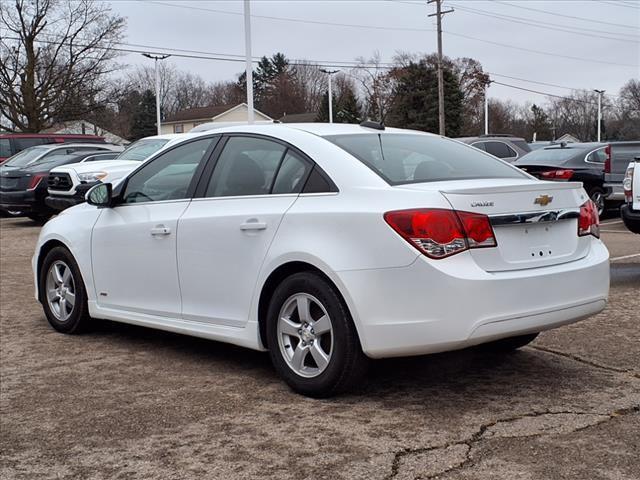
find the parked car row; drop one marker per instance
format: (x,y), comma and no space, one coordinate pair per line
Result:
(12,143)
(326,245)
(24,177)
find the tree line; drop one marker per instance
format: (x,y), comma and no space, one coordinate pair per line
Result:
(48,76)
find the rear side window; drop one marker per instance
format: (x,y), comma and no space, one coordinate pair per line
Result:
(5,147)
(597,157)
(246,166)
(400,158)
(291,174)
(522,144)
(500,150)
(479,146)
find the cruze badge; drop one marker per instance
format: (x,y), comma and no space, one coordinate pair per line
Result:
(543,200)
(482,204)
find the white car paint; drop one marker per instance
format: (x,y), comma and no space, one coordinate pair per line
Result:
(205,277)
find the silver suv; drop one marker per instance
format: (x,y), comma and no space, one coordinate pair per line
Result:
(506,147)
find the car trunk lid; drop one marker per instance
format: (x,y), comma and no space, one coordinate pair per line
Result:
(535,223)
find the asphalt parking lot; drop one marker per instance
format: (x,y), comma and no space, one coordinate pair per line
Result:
(123,402)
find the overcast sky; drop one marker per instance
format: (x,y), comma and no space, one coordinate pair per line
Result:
(604,40)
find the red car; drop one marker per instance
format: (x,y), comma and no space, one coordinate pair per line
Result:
(12,143)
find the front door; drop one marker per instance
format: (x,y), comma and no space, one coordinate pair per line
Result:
(134,243)
(224,237)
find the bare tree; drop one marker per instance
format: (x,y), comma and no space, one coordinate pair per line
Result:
(53,58)
(142,78)
(377,86)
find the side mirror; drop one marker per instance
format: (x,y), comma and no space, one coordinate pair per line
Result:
(100,195)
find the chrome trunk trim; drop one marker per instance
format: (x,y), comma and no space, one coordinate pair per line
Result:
(534,217)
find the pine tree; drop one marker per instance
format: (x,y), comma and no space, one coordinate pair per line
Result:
(416,99)
(144,117)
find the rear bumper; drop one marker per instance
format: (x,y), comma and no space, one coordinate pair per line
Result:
(631,218)
(615,193)
(431,307)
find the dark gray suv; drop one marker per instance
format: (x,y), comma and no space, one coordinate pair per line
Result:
(506,147)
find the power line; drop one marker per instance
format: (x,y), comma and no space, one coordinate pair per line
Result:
(544,93)
(540,52)
(542,83)
(556,14)
(549,26)
(620,4)
(297,20)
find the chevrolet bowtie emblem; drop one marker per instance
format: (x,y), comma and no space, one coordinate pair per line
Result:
(543,200)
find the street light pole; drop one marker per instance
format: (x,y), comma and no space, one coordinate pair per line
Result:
(329,73)
(156,58)
(248,60)
(486,107)
(600,93)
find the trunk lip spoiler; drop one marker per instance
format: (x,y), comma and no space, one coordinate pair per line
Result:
(523,218)
(527,187)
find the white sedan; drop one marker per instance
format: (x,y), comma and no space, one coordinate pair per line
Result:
(327,245)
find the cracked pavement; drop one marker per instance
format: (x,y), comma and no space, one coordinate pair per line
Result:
(123,402)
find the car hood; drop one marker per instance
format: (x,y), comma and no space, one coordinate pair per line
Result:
(99,166)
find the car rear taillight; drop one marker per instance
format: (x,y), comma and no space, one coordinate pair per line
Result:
(440,233)
(627,184)
(589,222)
(607,160)
(35,180)
(562,174)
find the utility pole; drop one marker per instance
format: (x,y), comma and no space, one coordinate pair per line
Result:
(439,14)
(600,93)
(156,58)
(329,73)
(248,60)
(486,107)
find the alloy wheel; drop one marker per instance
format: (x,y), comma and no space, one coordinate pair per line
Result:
(61,290)
(305,335)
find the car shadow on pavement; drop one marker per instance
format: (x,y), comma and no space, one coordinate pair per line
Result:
(460,377)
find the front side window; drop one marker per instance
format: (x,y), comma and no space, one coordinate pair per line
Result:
(500,150)
(169,175)
(412,158)
(247,166)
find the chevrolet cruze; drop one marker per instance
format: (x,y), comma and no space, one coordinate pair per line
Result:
(327,245)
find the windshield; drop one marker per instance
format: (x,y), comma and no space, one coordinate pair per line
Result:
(400,158)
(553,156)
(25,157)
(142,149)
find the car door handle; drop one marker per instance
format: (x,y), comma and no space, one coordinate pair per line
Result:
(160,230)
(253,224)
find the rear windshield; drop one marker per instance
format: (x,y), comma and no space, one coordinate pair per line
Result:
(142,149)
(401,159)
(553,156)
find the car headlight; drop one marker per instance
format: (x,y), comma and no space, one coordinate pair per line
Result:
(91,176)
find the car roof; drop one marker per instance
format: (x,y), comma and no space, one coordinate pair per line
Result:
(490,137)
(574,145)
(319,129)
(79,136)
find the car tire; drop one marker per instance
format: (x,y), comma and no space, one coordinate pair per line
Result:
(313,342)
(62,292)
(510,344)
(597,195)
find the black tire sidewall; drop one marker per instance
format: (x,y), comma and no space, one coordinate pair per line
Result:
(345,340)
(79,315)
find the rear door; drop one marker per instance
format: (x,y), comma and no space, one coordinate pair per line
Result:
(224,235)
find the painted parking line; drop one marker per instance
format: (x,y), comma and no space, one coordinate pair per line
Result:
(610,222)
(624,257)
(615,231)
